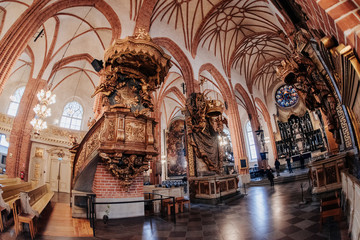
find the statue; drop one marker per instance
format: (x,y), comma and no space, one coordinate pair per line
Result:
(204,124)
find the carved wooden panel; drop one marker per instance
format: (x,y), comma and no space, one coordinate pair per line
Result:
(331,175)
(135,131)
(321,178)
(223,186)
(231,184)
(204,188)
(212,187)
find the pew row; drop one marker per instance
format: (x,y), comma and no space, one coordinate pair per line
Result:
(9,193)
(35,200)
(330,207)
(9,181)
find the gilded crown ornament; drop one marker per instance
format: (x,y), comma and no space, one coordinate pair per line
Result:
(134,68)
(214,108)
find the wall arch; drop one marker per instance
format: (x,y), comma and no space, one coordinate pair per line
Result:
(15,40)
(185,66)
(237,136)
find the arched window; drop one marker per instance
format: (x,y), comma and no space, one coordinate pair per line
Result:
(15,101)
(250,137)
(72,116)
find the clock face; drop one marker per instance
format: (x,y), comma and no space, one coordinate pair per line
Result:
(286,96)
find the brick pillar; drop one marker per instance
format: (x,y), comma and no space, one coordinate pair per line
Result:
(20,144)
(108,189)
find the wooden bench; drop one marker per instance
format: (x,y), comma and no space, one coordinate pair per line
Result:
(9,181)
(9,193)
(330,207)
(167,204)
(35,200)
(3,176)
(181,201)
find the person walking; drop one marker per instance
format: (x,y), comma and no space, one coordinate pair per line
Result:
(277,167)
(270,175)
(289,163)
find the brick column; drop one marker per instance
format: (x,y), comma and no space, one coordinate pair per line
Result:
(20,144)
(108,189)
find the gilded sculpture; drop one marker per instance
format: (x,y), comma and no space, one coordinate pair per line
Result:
(134,68)
(204,124)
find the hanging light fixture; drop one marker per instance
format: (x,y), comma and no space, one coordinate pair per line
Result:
(46,98)
(42,110)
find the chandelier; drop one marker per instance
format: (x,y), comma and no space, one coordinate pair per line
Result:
(42,110)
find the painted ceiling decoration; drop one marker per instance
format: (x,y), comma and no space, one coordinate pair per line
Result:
(243,34)
(244,37)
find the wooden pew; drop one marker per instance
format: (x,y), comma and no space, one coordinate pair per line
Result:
(330,207)
(3,176)
(35,200)
(9,181)
(9,193)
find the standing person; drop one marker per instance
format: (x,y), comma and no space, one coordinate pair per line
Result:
(302,161)
(270,175)
(277,167)
(289,163)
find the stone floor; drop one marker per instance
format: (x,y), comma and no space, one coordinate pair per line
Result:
(264,213)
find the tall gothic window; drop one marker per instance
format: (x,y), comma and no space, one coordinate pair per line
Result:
(15,101)
(250,138)
(72,116)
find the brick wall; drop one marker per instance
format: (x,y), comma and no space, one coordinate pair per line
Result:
(107,186)
(338,18)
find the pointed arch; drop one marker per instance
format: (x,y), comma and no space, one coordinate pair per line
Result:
(237,136)
(266,116)
(181,58)
(16,38)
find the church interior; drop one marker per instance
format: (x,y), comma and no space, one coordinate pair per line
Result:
(168,119)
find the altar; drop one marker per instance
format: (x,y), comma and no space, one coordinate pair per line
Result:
(213,189)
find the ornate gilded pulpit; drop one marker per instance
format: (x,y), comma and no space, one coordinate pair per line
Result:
(117,149)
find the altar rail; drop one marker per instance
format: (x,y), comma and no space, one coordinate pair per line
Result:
(92,206)
(351,203)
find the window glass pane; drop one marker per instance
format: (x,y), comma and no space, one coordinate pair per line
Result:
(13,107)
(248,127)
(75,124)
(18,94)
(251,138)
(253,152)
(72,116)
(251,142)
(3,141)
(65,122)
(15,100)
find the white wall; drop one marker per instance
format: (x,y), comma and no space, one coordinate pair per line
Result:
(351,191)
